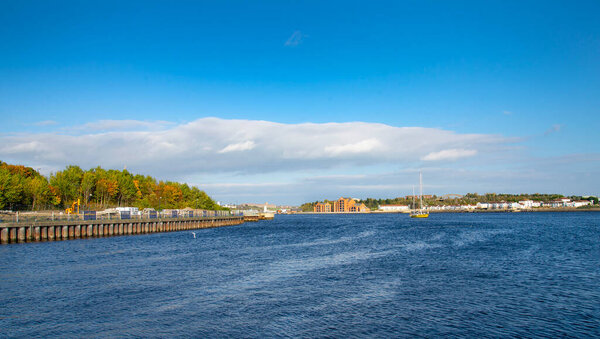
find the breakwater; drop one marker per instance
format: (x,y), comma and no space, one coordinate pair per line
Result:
(77,229)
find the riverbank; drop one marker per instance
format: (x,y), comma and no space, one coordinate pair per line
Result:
(565,209)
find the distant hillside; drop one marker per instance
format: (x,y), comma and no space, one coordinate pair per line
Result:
(23,188)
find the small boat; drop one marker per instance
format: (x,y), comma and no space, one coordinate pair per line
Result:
(421,212)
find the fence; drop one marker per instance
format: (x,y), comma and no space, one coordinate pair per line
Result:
(12,217)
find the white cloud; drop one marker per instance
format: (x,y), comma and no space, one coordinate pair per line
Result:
(295,39)
(359,147)
(212,145)
(249,160)
(449,154)
(240,146)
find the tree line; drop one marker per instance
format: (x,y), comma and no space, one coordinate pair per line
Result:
(23,188)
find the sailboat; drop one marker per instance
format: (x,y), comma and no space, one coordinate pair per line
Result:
(421,212)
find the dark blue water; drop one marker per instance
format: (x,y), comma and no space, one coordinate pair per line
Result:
(469,275)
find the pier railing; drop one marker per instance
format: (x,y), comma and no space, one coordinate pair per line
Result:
(26,218)
(49,230)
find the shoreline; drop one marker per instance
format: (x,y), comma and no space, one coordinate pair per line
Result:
(536,210)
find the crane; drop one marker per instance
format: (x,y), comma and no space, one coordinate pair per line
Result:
(71,210)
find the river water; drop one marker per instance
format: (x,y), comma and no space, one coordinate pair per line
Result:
(471,275)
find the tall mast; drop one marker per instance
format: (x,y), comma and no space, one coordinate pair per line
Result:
(421,190)
(413,197)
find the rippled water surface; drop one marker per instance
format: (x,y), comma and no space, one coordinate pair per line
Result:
(520,274)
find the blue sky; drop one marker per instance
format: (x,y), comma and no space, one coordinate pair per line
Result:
(523,77)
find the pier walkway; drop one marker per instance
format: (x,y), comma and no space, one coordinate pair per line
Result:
(76,229)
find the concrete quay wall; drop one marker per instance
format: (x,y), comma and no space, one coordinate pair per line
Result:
(76,229)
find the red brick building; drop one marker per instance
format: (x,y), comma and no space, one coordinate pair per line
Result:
(349,205)
(322,207)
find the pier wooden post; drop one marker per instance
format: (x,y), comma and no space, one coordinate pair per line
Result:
(73,229)
(21,235)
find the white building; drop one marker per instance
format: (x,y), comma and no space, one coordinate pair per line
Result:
(131,210)
(515,205)
(499,205)
(394,208)
(526,203)
(530,203)
(564,202)
(483,205)
(581,203)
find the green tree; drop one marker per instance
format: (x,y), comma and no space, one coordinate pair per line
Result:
(68,183)
(127,190)
(11,189)
(39,191)
(88,184)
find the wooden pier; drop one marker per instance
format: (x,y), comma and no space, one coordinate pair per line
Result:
(77,229)
(251,218)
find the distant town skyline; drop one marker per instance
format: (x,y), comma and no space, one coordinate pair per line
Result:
(291,102)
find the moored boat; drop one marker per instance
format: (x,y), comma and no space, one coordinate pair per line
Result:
(421,212)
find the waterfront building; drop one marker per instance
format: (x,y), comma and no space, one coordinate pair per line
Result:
(484,205)
(394,208)
(526,203)
(322,207)
(501,205)
(515,205)
(581,203)
(341,205)
(564,202)
(349,205)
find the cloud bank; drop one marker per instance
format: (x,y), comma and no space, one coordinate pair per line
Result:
(211,145)
(258,161)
